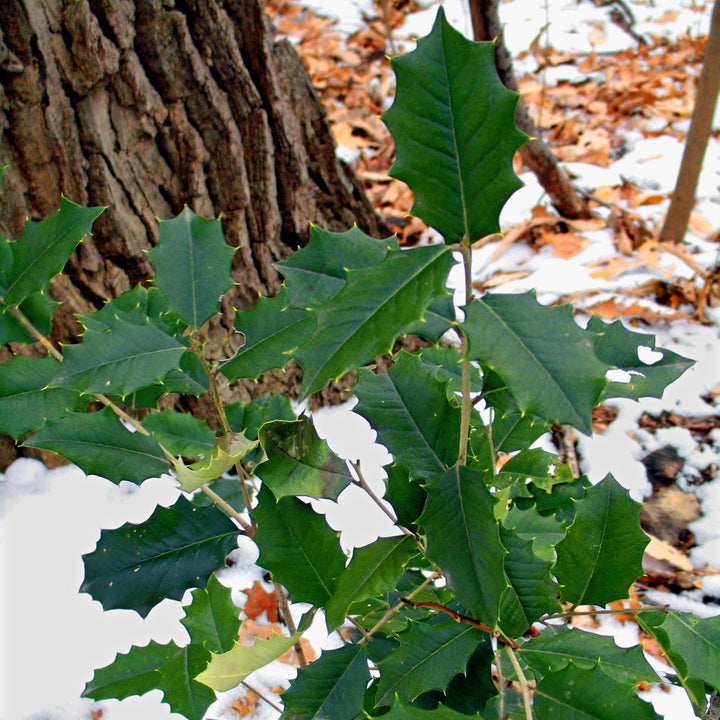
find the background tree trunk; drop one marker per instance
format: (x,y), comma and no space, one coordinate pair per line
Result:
(683,197)
(535,153)
(147,105)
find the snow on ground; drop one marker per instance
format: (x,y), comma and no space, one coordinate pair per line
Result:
(52,637)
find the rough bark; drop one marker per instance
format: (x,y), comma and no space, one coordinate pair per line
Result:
(535,153)
(683,197)
(145,106)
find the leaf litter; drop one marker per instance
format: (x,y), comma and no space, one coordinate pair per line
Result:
(616,116)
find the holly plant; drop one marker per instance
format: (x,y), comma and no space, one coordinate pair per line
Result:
(462,611)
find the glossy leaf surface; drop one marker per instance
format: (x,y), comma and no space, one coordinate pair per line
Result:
(374,306)
(137,566)
(25,400)
(120,359)
(180,433)
(453,114)
(373,570)
(331,687)
(197,245)
(601,555)
(272,331)
(100,444)
(518,339)
(692,646)
(575,693)
(428,657)
(463,539)
(298,548)
(409,408)
(167,668)
(299,462)
(44,249)
(212,619)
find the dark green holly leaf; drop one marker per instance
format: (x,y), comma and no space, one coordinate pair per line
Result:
(557,647)
(45,248)
(317,272)
(299,462)
(518,339)
(181,433)
(430,654)
(449,362)
(536,466)
(544,531)
(692,646)
(137,566)
(331,687)
(576,693)
(247,418)
(137,306)
(134,673)
(192,266)
(368,612)
(409,408)
(188,378)
(185,695)
(469,692)
(373,570)
(100,444)
(25,401)
(272,330)
(601,555)
(437,320)
(401,711)
(212,619)
(371,310)
(119,360)
(227,670)
(532,592)
(131,306)
(463,539)
(454,129)
(298,548)
(38,308)
(560,503)
(405,495)
(167,668)
(618,346)
(516,431)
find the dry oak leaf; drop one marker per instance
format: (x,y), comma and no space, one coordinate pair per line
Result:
(565,244)
(259,600)
(245,706)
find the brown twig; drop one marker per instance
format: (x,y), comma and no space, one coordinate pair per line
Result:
(287,617)
(396,609)
(461,618)
(262,697)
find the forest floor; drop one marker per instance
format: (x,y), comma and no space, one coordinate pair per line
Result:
(615,110)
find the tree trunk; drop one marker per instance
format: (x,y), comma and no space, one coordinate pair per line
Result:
(535,153)
(683,197)
(147,105)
